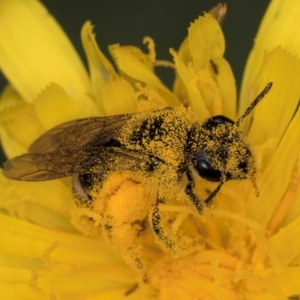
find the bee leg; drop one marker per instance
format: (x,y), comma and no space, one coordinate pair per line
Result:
(189,190)
(131,290)
(124,225)
(197,203)
(155,221)
(210,198)
(130,248)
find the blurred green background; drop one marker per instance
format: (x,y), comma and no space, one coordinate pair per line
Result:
(127,21)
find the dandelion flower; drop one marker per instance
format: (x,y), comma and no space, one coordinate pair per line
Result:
(244,246)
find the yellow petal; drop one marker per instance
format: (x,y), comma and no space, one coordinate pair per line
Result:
(136,69)
(207,46)
(119,97)
(202,54)
(10,147)
(49,206)
(19,127)
(292,197)
(10,277)
(206,41)
(288,281)
(53,106)
(273,114)
(34,51)
(288,209)
(73,284)
(81,283)
(113,94)
(226,82)
(62,263)
(276,176)
(283,285)
(29,240)
(288,235)
(101,70)
(9,98)
(189,81)
(280,27)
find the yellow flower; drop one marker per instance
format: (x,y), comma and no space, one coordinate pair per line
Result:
(244,247)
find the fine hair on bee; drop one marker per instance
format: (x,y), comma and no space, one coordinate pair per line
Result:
(163,146)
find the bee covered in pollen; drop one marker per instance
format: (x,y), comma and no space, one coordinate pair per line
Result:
(160,152)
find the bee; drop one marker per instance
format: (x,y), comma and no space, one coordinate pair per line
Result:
(165,144)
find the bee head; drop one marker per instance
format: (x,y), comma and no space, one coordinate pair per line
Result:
(220,151)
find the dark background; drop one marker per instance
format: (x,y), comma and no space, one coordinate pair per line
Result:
(127,21)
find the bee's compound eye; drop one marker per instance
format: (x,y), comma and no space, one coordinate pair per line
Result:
(206,171)
(216,121)
(221,119)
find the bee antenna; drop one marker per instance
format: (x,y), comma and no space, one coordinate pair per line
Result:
(255,186)
(216,190)
(253,104)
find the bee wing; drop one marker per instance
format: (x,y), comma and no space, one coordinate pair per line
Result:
(80,133)
(67,162)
